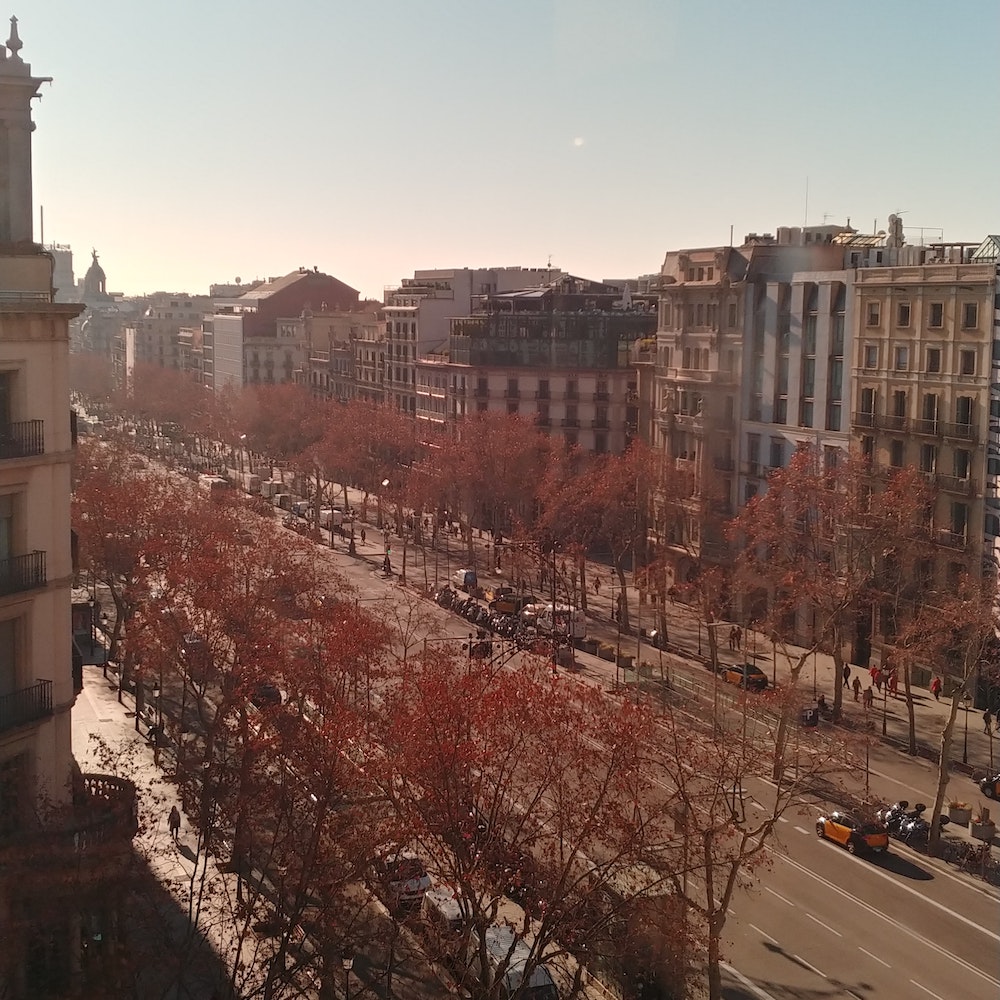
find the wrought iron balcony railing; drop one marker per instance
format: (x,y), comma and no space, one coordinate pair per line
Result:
(27,705)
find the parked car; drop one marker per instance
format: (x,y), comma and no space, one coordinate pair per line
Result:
(990,785)
(852,833)
(746,675)
(402,878)
(511,603)
(266,693)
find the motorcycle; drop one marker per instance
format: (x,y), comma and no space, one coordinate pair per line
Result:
(916,829)
(990,785)
(893,816)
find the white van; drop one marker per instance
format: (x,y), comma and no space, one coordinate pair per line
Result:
(508,957)
(443,923)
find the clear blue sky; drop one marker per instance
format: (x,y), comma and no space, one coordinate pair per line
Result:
(190,142)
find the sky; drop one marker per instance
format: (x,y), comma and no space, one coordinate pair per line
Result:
(197,141)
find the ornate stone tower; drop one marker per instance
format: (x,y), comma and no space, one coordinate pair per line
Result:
(17,89)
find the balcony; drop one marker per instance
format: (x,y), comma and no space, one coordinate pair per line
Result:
(21,708)
(925,426)
(543,394)
(541,421)
(952,539)
(600,424)
(863,419)
(570,422)
(20,573)
(481,392)
(723,464)
(964,432)
(602,396)
(571,394)
(954,484)
(103,816)
(752,469)
(512,394)
(22,439)
(893,423)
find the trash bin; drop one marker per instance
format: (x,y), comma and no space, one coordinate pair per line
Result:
(810,716)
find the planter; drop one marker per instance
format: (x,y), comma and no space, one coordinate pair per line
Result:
(983,831)
(589,646)
(606,651)
(625,661)
(960,816)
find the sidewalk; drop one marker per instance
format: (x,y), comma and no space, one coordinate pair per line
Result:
(196,928)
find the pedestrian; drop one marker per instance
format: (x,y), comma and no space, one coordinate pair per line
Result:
(597,586)
(868,698)
(174,822)
(364,535)
(987,723)
(386,566)
(893,682)
(856,685)
(739,637)
(936,688)
(873,670)
(847,675)
(878,680)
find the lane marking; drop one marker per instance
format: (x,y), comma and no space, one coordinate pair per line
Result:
(927,991)
(926,942)
(799,828)
(778,894)
(799,958)
(827,926)
(763,934)
(877,959)
(782,819)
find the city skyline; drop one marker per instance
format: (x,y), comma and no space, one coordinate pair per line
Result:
(202,144)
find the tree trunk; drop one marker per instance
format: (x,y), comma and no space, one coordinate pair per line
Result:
(623,622)
(583,584)
(838,681)
(934,837)
(910,718)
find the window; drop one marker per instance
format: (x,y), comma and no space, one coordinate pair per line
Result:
(871,356)
(936,319)
(831,458)
(701,274)
(869,398)
(600,442)
(903,314)
(666,315)
(512,389)
(571,391)
(732,314)
(512,407)
(781,410)
(901,359)
(806,413)
(777,458)
(868,447)
(970,315)
(711,273)
(899,403)
(928,458)
(963,460)
(896,454)
(753,454)
(543,388)
(967,363)
(686,358)
(699,315)
(959,518)
(963,410)
(933,360)
(874,313)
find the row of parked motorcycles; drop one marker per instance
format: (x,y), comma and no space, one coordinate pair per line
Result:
(503,625)
(906,824)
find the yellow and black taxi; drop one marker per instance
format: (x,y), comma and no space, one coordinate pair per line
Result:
(746,675)
(855,834)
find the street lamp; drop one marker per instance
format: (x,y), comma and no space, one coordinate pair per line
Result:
(347,961)
(243,439)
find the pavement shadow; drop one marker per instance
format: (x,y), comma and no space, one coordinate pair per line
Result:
(186,852)
(777,990)
(898,865)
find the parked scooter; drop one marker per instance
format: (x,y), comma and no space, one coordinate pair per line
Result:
(893,816)
(916,829)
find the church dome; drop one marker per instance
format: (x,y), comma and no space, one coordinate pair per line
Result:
(95,280)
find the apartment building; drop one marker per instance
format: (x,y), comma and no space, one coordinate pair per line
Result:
(418,312)
(557,354)
(925,343)
(253,342)
(159,324)
(63,834)
(345,353)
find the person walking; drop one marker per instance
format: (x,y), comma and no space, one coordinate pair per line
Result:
(364,535)
(739,637)
(988,723)
(732,638)
(174,822)
(878,680)
(869,698)
(856,685)
(893,682)
(597,586)
(847,675)
(936,688)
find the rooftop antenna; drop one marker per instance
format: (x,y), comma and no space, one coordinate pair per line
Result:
(805,217)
